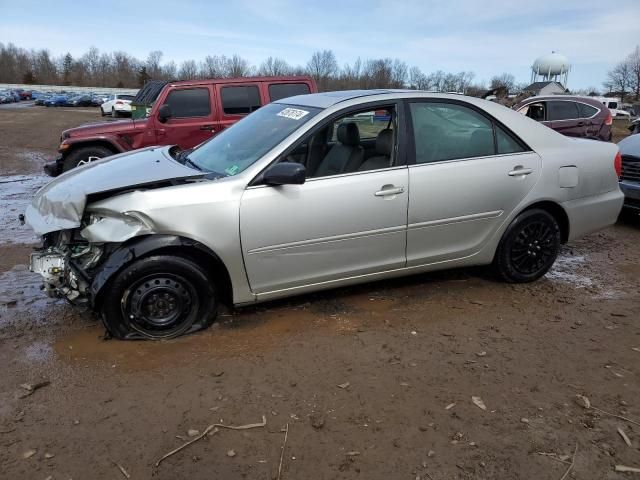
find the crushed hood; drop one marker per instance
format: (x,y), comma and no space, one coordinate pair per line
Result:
(60,204)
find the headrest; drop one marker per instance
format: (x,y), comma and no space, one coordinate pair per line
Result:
(384,142)
(348,134)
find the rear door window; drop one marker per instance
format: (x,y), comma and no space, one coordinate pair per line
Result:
(447,131)
(240,100)
(563,110)
(587,111)
(506,143)
(284,90)
(192,102)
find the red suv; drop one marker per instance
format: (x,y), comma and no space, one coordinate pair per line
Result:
(185,113)
(570,115)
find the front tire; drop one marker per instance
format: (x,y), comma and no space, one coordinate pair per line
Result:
(102,114)
(528,248)
(159,297)
(84,155)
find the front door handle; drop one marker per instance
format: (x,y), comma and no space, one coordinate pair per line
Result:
(211,128)
(388,190)
(520,170)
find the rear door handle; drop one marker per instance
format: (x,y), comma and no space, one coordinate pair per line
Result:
(520,170)
(388,190)
(211,128)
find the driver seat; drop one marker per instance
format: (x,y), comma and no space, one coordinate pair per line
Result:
(346,155)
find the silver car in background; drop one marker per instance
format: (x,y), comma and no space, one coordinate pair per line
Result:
(315,192)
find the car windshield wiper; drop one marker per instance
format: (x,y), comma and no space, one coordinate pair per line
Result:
(189,162)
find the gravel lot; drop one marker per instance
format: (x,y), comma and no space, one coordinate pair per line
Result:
(372,382)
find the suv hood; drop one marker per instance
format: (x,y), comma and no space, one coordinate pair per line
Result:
(60,204)
(96,128)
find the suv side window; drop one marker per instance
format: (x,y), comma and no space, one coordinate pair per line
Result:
(448,131)
(192,102)
(240,100)
(587,111)
(563,110)
(284,90)
(535,111)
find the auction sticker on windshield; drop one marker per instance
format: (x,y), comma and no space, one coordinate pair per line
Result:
(293,113)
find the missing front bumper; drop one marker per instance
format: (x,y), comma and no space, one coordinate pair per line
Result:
(59,279)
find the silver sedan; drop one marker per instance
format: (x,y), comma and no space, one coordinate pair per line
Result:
(316,192)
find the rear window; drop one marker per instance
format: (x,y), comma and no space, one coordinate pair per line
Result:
(192,102)
(125,97)
(587,111)
(284,90)
(563,110)
(240,100)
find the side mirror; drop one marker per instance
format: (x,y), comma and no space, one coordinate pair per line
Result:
(285,173)
(164,113)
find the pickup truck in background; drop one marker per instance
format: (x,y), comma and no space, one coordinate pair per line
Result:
(184,113)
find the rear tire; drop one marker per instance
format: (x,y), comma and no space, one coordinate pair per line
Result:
(159,297)
(84,155)
(114,114)
(528,248)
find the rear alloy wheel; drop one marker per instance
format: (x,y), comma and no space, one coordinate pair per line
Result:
(159,297)
(84,155)
(528,248)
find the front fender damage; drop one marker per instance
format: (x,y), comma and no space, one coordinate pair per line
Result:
(116,229)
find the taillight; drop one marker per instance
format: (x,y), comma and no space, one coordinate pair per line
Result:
(609,119)
(122,103)
(617,164)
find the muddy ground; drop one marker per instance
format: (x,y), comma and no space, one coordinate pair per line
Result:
(373,382)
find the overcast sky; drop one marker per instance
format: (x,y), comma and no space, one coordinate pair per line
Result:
(486,37)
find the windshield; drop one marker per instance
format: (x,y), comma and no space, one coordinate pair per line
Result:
(240,146)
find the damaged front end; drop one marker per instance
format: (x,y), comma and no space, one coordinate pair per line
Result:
(69,259)
(78,234)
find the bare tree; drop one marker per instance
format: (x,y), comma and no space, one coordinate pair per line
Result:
(236,66)
(322,67)
(274,67)
(188,70)
(619,79)
(505,80)
(170,71)
(153,65)
(418,80)
(634,65)
(213,66)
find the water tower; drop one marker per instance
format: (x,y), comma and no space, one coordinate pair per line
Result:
(551,68)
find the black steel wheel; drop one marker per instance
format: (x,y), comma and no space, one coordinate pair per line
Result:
(529,247)
(159,297)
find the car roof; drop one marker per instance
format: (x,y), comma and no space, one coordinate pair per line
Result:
(575,98)
(538,136)
(328,99)
(209,81)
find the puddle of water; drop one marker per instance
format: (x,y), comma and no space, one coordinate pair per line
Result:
(20,291)
(16,192)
